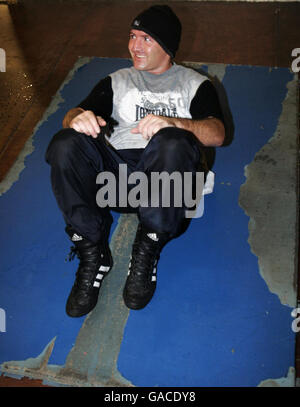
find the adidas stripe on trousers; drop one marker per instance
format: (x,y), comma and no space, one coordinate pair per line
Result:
(77,159)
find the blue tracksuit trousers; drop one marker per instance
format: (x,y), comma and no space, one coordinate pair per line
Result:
(77,159)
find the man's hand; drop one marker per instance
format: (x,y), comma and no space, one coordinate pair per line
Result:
(88,123)
(210,131)
(151,124)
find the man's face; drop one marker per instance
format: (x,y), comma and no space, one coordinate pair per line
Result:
(147,54)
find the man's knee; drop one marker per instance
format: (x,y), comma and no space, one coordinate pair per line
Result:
(62,146)
(172,141)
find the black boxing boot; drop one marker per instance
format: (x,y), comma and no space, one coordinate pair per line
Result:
(141,281)
(95,262)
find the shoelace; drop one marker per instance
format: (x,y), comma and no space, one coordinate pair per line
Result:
(72,253)
(89,252)
(144,255)
(85,273)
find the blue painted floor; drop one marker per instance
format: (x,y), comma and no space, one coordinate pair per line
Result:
(213,320)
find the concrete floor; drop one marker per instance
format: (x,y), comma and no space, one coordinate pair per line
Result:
(40,57)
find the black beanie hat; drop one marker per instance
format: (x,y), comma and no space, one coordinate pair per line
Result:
(162,24)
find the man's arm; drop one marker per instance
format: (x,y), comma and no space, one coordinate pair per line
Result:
(71,114)
(84,121)
(210,132)
(93,111)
